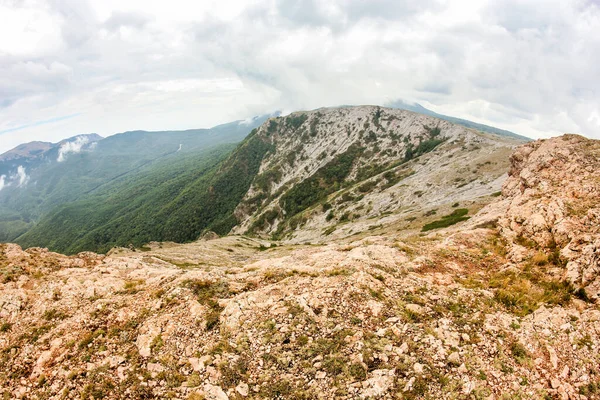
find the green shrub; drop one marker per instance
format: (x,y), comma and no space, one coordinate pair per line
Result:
(53,313)
(581,294)
(295,121)
(357,371)
(329,231)
(325,181)
(367,186)
(457,216)
(272,126)
(519,352)
(207,293)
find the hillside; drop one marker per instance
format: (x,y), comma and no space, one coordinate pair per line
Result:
(173,201)
(335,172)
(85,165)
(486,309)
(309,176)
(34,154)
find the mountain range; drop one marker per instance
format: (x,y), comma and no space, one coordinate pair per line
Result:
(308,176)
(36,178)
(341,253)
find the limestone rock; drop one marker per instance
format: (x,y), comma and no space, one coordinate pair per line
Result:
(213,392)
(552,204)
(378,385)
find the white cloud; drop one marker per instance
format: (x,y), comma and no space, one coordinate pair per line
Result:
(3,183)
(530,67)
(20,176)
(72,147)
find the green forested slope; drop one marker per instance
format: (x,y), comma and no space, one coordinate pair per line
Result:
(173,201)
(51,183)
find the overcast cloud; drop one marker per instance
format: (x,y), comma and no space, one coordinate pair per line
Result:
(69,67)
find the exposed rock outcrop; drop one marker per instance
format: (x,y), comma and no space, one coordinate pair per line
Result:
(553,206)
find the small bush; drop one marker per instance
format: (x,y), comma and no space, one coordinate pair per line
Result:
(357,371)
(295,121)
(206,290)
(132,286)
(519,352)
(590,389)
(329,231)
(457,216)
(88,338)
(278,389)
(52,314)
(539,259)
(581,294)
(334,365)
(525,242)
(367,186)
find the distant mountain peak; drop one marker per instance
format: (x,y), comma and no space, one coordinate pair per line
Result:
(91,137)
(26,150)
(32,150)
(418,108)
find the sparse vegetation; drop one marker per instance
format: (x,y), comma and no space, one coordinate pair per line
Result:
(295,121)
(208,293)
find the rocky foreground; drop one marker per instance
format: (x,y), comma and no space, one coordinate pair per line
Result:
(503,306)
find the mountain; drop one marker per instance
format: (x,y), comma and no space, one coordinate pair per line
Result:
(502,305)
(173,200)
(34,184)
(416,107)
(337,171)
(33,154)
(310,176)
(26,150)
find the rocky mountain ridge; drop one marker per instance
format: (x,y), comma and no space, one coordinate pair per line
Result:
(418,108)
(332,171)
(476,310)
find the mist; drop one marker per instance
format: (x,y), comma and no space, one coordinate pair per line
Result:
(73,147)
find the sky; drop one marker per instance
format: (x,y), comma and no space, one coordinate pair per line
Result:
(69,67)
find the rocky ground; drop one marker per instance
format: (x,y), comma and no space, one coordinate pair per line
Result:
(500,307)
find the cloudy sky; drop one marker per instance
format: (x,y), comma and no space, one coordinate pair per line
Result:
(106,66)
